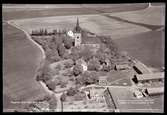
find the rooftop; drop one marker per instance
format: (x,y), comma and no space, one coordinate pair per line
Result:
(155,90)
(150,76)
(141,67)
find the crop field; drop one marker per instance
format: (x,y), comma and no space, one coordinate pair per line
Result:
(19,68)
(147,47)
(95,23)
(30,11)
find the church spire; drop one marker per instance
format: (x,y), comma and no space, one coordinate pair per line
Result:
(77,28)
(77,23)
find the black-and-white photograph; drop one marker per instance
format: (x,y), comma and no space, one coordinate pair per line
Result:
(83,57)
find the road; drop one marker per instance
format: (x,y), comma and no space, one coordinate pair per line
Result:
(59,105)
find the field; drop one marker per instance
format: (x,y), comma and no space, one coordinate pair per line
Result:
(18,68)
(148,47)
(30,11)
(95,23)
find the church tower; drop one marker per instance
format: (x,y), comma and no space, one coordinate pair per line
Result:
(77,34)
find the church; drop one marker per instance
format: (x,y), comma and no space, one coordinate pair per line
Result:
(77,34)
(83,36)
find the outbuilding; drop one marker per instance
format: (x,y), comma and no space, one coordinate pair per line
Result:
(155,91)
(121,66)
(140,68)
(159,76)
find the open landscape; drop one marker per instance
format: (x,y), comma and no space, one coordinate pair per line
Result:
(129,27)
(19,73)
(124,33)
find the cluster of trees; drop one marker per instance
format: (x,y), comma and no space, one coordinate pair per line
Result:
(55,50)
(75,53)
(73,92)
(52,103)
(43,31)
(50,99)
(46,75)
(87,78)
(86,54)
(40,32)
(94,64)
(55,46)
(110,44)
(77,70)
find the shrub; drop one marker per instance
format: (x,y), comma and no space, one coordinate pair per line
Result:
(86,54)
(61,50)
(94,65)
(68,73)
(79,96)
(63,84)
(71,92)
(63,97)
(77,70)
(74,54)
(68,43)
(53,102)
(87,78)
(69,64)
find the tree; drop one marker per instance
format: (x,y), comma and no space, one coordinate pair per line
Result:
(75,53)
(63,84)
(86,53)
(63,97)
(71,91)
(87,78)
(67,43)
(69,64)
(77,70)
(45,31)
(94,65)
(57,40)
(79,96)
(61,50)
(45,73)
(100,55)
(53,103)
(51,85)
(94,76)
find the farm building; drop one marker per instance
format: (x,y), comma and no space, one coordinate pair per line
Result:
(103,80)
(155,91)
(140,68)
(121,66)
(149,77)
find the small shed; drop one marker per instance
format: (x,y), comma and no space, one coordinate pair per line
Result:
(155,91)
(121,66)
